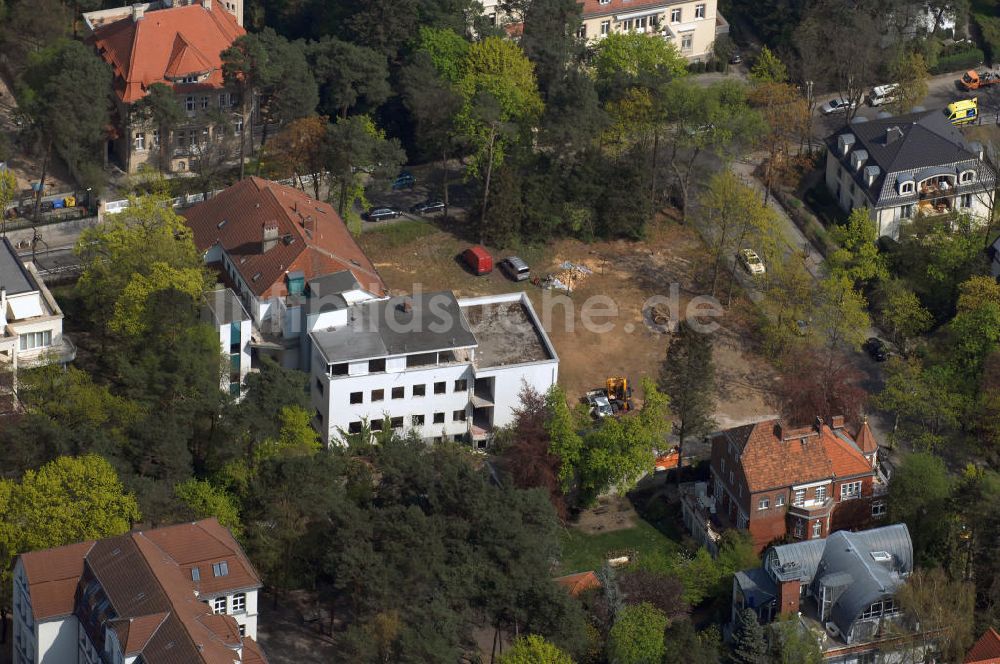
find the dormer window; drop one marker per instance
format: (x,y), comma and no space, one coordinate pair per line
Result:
(967,177)
(906,187)
(190,78)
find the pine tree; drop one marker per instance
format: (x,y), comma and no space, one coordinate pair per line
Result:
(688,378)
(749,646)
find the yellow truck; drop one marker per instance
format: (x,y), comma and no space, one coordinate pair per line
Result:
(963,111)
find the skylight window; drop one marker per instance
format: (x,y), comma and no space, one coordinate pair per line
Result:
(220,569)
(195,574)
(881,556)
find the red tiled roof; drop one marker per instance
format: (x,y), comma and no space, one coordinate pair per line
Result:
(52,578)
(596,8)
(201,544)
(774,456)
(986,650)
(312,237)
(576,584)
(252,654)
(147,578)
(866,439)
(174,42)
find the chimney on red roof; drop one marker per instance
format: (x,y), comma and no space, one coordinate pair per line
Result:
(818,423)
(836,421)
(138,11)
(269,236)
(207,4)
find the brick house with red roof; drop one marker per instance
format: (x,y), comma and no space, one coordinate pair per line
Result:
(986,650)
(184,594)
(178,43)
(796,483)
(267,242)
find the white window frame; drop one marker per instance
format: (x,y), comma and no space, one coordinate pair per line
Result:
(204,103)
(605,27)
(879,508)
(906,187)
(967,176)
(699,11)
(239,603)
(675,15)
(779,500)
(850,490)
(219,605)
(33,340)
(189,103)
(581,32)
(156,138)
(817,529)
(139,141)
(687,41)
(965,201)
(223,99)
(763,504)
(820,494)
(799,498)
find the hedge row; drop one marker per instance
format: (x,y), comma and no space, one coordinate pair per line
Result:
(959,61)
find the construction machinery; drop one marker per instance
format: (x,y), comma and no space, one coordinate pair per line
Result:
(974,80)
(619,393)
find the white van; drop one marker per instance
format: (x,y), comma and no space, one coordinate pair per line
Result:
(882,94)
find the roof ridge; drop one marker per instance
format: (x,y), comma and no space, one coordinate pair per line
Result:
(159,583)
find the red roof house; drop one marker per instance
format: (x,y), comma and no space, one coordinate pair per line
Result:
(165,46)
(986,650)
(180,45)
(138,594)
(258,233)
(805,482)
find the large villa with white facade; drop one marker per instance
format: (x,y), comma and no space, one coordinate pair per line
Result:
(447,368)
(30,319)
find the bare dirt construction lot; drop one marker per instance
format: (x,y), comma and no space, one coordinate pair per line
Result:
(602,328)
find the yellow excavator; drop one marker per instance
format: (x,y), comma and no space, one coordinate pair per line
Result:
(619,393)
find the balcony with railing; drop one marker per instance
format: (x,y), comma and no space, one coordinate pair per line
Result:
(811,509)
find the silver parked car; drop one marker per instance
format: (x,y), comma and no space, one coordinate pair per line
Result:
(515,268)
(837,105)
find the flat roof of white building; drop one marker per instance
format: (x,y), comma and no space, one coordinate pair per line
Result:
(401,325)
(507,333)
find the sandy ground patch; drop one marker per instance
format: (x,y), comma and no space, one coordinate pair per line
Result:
(669,263)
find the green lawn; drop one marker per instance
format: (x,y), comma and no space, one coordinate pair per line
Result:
(582,552)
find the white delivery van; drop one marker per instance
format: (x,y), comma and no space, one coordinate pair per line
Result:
(882,94)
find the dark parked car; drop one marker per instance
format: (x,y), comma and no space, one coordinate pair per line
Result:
(404,180)
(428,207)
(380,213)
(876,348)
(515,268)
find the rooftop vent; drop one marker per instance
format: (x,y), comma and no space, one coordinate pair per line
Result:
(255,277)
(893,134)
(221,224)
(881,556)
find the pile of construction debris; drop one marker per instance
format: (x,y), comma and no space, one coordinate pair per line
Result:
(568,278)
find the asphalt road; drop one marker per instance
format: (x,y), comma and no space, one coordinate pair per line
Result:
(941,91)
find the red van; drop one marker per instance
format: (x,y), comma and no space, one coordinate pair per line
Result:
(478,260)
